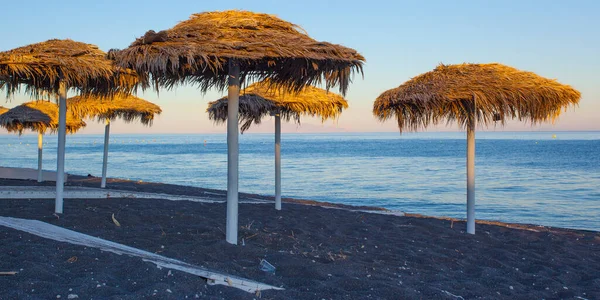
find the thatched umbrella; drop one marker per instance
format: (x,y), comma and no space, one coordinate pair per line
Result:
(39,116)
(471,93)
(126,107)
(224,49)
(54,67)
(260,100)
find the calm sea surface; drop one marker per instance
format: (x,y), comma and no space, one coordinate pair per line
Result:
(525,177)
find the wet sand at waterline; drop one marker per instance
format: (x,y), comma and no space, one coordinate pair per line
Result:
(319,251)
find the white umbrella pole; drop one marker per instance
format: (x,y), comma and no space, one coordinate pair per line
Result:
(277,162)
(231,232)
(105,157)
(471,176)
(60,160)
(40,145)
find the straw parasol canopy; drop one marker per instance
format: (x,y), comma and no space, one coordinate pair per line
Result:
(229,48)
(260,100)
(80,66)
(38,116)
(198,51)
(126,107)
(54,67)
(449,92)
(471,94)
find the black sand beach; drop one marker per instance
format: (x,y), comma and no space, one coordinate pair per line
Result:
(319,252)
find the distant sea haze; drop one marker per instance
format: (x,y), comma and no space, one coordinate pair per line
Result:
(544,178)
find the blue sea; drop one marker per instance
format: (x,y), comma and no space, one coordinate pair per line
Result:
(546,178)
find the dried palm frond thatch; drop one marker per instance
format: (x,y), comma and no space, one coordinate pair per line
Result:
(126,107)
(38,116)
(42,66)
(198,51)
(499,93)
(261,99)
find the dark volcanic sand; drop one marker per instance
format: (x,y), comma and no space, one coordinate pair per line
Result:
(319,253)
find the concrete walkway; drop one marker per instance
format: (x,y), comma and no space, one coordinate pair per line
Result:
(60,234)
(74,192)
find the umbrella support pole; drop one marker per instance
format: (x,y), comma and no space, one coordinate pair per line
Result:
(105,156)
(231,230)
(60,160)
(277,161)
(40,145)
(471,176)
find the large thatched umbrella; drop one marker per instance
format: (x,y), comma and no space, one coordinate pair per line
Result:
(224,49)
(54,67)
(471,93)
(39,116)
(260,100)
(126,107)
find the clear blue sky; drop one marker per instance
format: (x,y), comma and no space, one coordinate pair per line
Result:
(400,39)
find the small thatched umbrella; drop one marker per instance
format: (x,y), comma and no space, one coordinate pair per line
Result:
(260,100)
(54,67)
(471,93)
(224,49)
(126,107)
(39,116)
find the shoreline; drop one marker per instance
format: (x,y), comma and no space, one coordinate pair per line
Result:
(93,181)
(185,190)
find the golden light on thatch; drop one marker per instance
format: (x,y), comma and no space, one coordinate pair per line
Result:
(260,100)
(42,66)
(198,51)
(499,92)
(3,109)
(228,49)
(38,116)
(126,107)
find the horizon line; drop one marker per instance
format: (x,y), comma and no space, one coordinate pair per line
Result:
(323,132)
